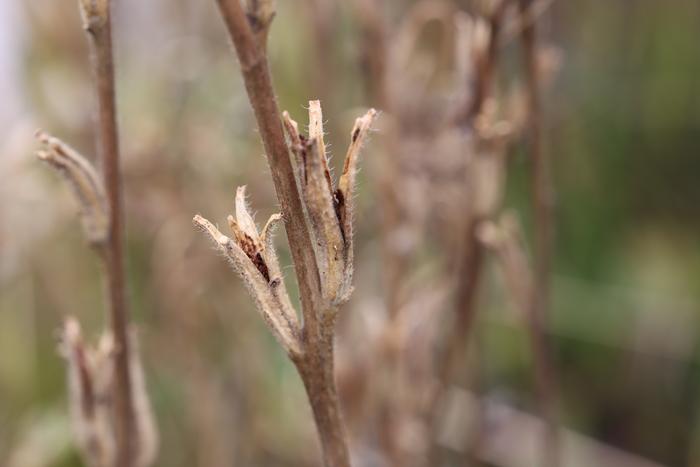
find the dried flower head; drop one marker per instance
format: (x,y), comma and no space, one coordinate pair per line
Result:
(89,383)
(90,389)
(85,183)
(329,210)
(253,256)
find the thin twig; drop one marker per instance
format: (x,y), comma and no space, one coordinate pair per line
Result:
(470,262)
(542,205)
(98,26)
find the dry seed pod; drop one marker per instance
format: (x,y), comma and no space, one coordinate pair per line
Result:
(346,184)
(89,381)
(252,255)
(344,195)
(296,145)
(319,202)
(85,184)
(328,210)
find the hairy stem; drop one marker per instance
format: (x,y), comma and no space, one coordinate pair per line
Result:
(318,377)
(315,363)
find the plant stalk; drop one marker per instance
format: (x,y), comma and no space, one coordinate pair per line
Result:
(315,364)
(470,259)
(542,205)
(100,39)
(318,377)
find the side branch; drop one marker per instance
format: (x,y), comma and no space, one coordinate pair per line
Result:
(257,264)
(258,83)
(85,183)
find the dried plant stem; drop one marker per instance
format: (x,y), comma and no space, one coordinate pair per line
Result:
(470,261)
(318,377)
(469,269)
(543,211)
(395,262)
(97,22)
(315,360)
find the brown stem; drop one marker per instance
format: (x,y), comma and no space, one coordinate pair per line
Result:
(469,275)
(317,374)
(468,269)
(99,32)
(469,266)
(543,231)
(315,363)
(374,59)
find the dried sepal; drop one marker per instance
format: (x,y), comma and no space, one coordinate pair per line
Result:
(297,143)
(343,196)
(89,374)
(260,250)
(243,216)
(346,184)
(329,243)
(266,234)
(146,430)
(292,129)
(246,236)
(316,135)
(84,182)
(279,289)
(269,294)
(505,239)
